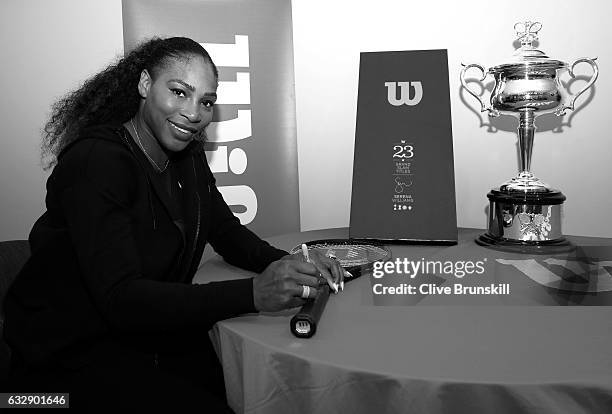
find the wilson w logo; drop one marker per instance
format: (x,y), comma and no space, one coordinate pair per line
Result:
(404,98)
(580,276)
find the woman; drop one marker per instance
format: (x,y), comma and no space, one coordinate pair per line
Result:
(106,300)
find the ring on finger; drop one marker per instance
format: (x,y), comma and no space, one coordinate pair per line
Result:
(305,291)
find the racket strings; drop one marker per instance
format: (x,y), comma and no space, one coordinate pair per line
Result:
(349,254)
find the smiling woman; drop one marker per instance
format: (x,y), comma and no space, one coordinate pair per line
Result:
(106,301)
(177,104)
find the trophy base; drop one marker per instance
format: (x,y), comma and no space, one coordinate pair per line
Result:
(525,222)
(561,245)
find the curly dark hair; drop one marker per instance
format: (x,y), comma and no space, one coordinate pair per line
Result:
(111,96)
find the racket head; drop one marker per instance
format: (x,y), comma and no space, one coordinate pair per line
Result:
(356,256)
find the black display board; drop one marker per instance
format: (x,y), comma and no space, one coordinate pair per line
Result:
(403,174)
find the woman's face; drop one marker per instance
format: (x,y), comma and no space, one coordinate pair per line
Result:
(178,103)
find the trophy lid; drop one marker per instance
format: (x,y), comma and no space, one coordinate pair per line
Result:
(527,56)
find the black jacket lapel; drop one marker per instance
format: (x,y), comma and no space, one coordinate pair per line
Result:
(160,192)
(192,208)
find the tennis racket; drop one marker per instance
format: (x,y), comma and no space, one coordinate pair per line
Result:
(356,257)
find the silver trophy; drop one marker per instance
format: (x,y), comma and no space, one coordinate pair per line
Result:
(524,212)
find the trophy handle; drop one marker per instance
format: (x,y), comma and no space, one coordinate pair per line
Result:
(572,99)
(492,111)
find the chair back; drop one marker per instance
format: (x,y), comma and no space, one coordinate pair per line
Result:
(13,255)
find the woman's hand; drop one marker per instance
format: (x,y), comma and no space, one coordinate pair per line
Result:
(282,284)
(329,268)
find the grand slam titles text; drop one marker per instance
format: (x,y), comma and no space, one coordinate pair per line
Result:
(411,269)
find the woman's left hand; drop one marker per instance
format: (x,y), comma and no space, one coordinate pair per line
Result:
(329,268)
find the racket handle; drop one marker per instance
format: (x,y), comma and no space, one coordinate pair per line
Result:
(304,323)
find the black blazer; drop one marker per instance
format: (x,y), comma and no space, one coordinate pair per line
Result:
(113,256)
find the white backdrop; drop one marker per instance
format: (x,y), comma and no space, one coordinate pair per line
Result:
(328,36)
(48,48)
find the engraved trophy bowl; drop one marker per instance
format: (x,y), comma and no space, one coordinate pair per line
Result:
(524,212)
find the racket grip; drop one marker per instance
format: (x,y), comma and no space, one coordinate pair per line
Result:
(304,323)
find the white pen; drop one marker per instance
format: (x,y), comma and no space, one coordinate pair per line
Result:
(305,252)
